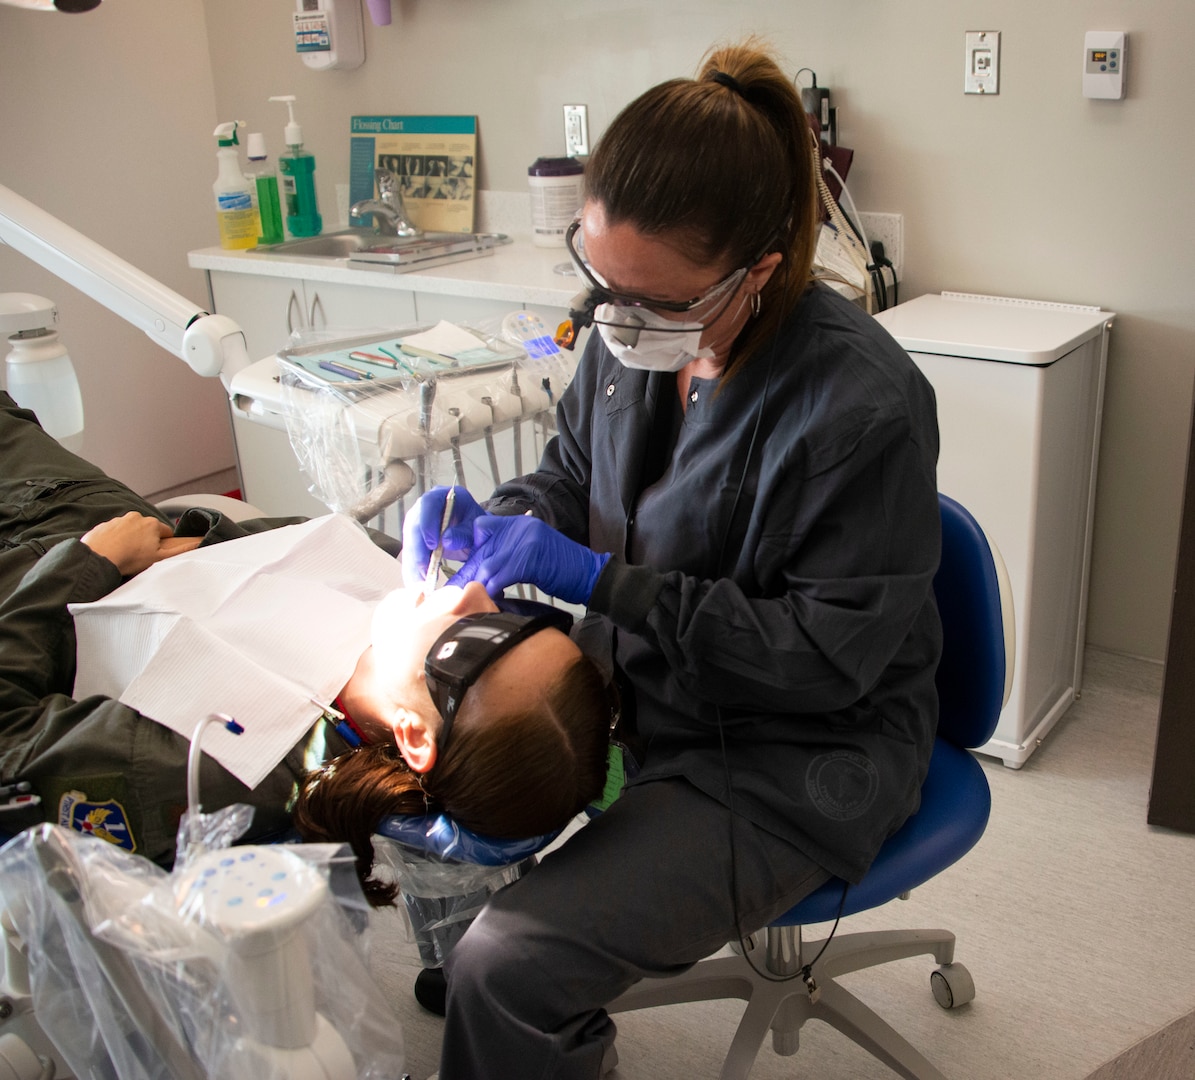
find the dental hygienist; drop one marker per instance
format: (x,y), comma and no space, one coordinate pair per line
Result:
(743,492)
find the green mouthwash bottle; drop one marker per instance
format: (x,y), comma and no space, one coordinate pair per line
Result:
(297,167)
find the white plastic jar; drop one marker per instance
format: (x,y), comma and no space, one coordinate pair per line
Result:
(556,194)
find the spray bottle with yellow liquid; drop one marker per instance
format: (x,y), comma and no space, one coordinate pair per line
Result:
(235,209)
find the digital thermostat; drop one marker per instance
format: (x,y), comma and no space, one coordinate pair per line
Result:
(1104,63)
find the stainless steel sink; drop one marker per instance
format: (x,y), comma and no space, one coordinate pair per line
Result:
(366,250)
(335,245)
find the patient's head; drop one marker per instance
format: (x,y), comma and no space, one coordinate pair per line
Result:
(525,749)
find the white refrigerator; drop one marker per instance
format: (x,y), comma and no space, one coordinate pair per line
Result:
(1020,387)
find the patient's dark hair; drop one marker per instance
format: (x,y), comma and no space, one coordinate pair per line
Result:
(505,776)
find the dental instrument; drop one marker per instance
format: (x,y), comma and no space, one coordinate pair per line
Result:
(347,370)
(433,566)
(427,354)
(373,358)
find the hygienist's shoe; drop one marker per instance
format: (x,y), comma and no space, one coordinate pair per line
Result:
(431,990)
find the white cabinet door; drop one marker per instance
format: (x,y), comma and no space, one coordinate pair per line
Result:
(271,309)
(268,309)
(351,308)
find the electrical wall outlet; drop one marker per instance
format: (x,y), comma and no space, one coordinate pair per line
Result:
(983,62)
(576,130)
(889,229)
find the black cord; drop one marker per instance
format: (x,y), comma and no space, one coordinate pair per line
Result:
(763,399)
(878,286)
(804,972)
(880,262)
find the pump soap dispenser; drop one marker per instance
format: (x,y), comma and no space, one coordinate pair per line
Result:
(234,194)
(297,167)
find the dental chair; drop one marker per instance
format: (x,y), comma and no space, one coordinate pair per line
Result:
(973,679)
(233,509)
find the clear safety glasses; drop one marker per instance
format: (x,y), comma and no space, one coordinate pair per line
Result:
(472,644)
(704,309)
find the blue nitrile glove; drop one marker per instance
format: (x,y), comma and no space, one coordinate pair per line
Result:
(421,531)
(512,550)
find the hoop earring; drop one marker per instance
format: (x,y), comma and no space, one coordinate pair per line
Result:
(427,803)
(756,304)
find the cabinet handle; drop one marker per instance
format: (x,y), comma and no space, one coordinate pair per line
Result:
(317,305)
(290,306)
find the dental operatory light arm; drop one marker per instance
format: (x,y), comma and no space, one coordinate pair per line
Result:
(210,344)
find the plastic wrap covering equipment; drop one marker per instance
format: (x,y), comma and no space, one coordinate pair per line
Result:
(368,432)
(244,963)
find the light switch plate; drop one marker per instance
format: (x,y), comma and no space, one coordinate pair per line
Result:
(983,62)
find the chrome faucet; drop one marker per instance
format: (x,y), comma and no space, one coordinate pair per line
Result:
(388,211)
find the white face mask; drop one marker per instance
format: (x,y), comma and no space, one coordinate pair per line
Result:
(656,344)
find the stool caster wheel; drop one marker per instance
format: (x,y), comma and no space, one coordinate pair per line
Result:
(952,986)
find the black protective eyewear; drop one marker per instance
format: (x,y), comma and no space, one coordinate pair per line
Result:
(472,644)
(705,309)
(606,295)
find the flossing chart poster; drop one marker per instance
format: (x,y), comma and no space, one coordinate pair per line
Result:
(435,159)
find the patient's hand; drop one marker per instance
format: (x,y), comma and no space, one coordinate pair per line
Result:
(135,541)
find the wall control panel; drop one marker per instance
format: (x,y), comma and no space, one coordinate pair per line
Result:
(1104,59)
(328,33)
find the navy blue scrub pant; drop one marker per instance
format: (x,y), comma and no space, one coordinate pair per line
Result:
(643,890)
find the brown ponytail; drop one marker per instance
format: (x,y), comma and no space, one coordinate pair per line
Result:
(343,801)
(506,776)
(723,163)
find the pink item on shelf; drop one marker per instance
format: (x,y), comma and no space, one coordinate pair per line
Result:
(379,11)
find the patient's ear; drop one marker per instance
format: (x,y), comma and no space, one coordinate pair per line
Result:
(416,741)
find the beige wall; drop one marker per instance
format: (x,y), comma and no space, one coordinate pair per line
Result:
(104,122)
(1037,192)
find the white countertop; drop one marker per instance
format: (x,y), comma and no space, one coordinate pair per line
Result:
(520,272)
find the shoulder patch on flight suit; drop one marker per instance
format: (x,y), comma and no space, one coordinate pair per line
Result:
(105,819)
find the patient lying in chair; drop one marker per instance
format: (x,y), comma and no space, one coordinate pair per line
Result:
(530,718)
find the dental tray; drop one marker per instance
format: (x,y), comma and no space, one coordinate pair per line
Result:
(426,251)
(416,366)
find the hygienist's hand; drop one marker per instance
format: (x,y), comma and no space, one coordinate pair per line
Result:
(135,541)
(421,531)
(524,550)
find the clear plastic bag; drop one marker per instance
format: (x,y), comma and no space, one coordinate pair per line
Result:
(446,874)
(349,417)
(244,962)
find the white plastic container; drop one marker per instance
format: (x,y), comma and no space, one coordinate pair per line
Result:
(42,378)
(556,194)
